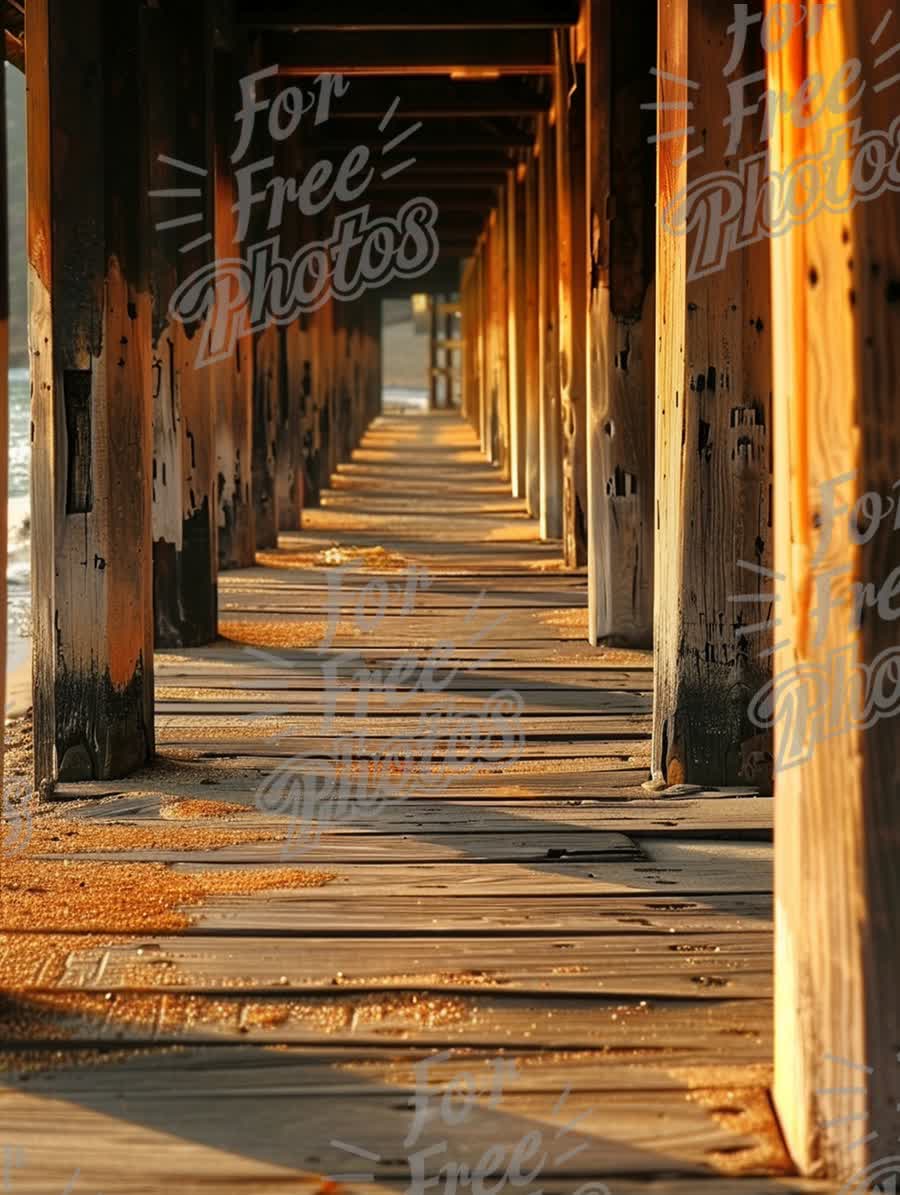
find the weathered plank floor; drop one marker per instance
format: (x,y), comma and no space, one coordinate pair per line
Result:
(532,904)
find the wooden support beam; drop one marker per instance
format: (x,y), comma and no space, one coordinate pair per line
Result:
(466,136)
(713,385)
(443,52)
(482,349)
(621,352)
(180,115)
(90,311)
(290,16)
(436,98)
(267,378)
(836,333)
(498,341)
(4,421)
(517,270)
(233,375)
(433,353)
(531,257)
(573,270)
(548,302)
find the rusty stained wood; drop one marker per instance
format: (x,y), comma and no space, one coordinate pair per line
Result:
(179,60)
(92,407)
(621,351)
(836,321)
(713,481)
(550,438)
(569,101)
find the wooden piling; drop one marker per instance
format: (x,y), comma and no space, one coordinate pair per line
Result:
(4,410)
(621,42)
(836,320)
(548,301)
(90,318)
(713,386)
(571,214)
(517,268)
(532,341)
(179,111)
(232,377)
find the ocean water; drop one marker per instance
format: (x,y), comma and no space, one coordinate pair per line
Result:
(19,560)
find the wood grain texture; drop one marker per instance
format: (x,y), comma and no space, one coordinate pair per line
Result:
(837,323)
(92,408)
(621,355)
(712,429)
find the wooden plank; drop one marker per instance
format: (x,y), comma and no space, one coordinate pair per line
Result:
(621,354)
(836,320)
(712,966)
(712,431)
(92,414)
(288,914)
(405,52)
(725,816)
(207,1139)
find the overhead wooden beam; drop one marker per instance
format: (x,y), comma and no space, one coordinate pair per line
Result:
(621,50)
(179,109)
(834,702)
(436,98)
(406,15)
(90,308)
(713,387)
(441,136)
(443,52)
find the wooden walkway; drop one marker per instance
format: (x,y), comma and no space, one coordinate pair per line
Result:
(610,947)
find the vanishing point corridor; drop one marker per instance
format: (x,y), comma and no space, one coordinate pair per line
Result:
(595,960)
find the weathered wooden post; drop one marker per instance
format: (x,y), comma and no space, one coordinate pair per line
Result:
(548,301)
(836,318)
(532,341)
(483,391)
(621,51)
(433,353)
(267,376)
(233,375)
(713,383)
(179,110)
(572,241)
(92,407)
(4,403)
(517,267)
